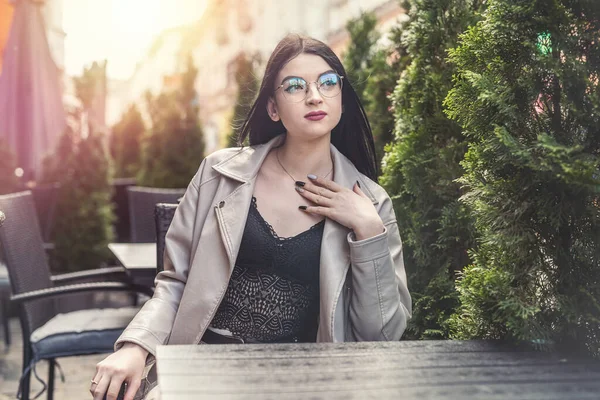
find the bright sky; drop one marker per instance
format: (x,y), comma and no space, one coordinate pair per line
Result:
(119,30)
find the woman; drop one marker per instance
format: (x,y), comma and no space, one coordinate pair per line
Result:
(326,267)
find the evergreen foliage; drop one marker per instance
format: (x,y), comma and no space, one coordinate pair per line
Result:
(357,58)
(174,147)
(374,71)
(421,166)
(527,96)
(125,143)
(248,86)
(84,214)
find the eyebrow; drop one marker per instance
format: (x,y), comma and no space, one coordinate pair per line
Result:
(293,76)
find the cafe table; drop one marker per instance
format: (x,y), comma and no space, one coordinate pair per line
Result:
(139,260)
(407,370)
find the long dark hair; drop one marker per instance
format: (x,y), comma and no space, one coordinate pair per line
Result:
(352,136)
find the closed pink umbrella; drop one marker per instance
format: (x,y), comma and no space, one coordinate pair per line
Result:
(31,110)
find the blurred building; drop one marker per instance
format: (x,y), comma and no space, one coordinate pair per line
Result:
(229,28)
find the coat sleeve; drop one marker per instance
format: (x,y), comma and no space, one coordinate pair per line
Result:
(153,323)
(380,304)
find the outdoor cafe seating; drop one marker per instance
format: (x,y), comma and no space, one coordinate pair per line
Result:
(44,196)
(50,330)
(142,201)
(434,369)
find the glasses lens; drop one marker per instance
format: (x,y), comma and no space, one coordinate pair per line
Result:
(294,89)
(330,85)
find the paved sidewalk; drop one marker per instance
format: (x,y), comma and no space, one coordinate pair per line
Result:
(78,371)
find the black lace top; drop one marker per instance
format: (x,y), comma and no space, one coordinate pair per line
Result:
(273,294)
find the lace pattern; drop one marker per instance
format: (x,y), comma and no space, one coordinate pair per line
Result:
(273,293)
(275,235)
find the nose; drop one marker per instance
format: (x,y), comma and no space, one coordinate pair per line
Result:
(313,96)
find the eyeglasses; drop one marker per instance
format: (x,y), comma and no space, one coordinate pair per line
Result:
(295,89)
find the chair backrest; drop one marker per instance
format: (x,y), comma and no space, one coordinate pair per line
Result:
(25,256)
(141,210)
(163,215)
(121,207)
(45,197)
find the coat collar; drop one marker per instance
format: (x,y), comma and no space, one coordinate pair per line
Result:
(244,165)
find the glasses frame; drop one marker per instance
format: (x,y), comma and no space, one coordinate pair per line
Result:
(318,87)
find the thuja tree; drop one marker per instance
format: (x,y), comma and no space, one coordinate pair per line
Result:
(83,226)
(527,95)
(83,229)
(174,147)
(373,72)
(125,143)
(358,56)
(421,166)
(385,68)
(247,84)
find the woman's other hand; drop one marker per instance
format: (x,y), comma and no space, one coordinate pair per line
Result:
(125,365)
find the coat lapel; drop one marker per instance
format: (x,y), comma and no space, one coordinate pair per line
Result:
(233,207)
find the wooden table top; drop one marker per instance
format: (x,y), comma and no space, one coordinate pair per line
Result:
(135,255)
(373,370)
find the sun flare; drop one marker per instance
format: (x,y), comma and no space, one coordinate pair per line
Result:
(136,19)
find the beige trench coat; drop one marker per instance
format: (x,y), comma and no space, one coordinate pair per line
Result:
(363,290)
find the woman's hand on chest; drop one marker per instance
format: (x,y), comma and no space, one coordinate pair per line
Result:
(349,207)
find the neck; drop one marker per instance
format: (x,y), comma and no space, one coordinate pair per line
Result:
(302,157)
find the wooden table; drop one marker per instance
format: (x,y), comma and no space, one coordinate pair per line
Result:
(407,370)
(139,259)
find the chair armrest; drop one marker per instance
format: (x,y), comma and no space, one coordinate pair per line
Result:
(80,288)
(110,274)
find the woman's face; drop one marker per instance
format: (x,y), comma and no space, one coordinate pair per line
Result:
(293,106)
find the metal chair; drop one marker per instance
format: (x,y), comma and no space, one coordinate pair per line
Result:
(163,215)
(49,333)
(45,197)
(121,202)
(4,298)
(142,201)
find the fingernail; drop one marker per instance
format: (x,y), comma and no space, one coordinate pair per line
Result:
(302,207)
(300,183)
(311,176)
(358,183)
(299,189)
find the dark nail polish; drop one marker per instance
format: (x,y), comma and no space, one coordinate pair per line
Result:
(300,183)
(302,207)
(358,183)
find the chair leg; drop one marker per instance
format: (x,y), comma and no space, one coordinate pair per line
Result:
(26,378)
(51,370)
(5,322)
